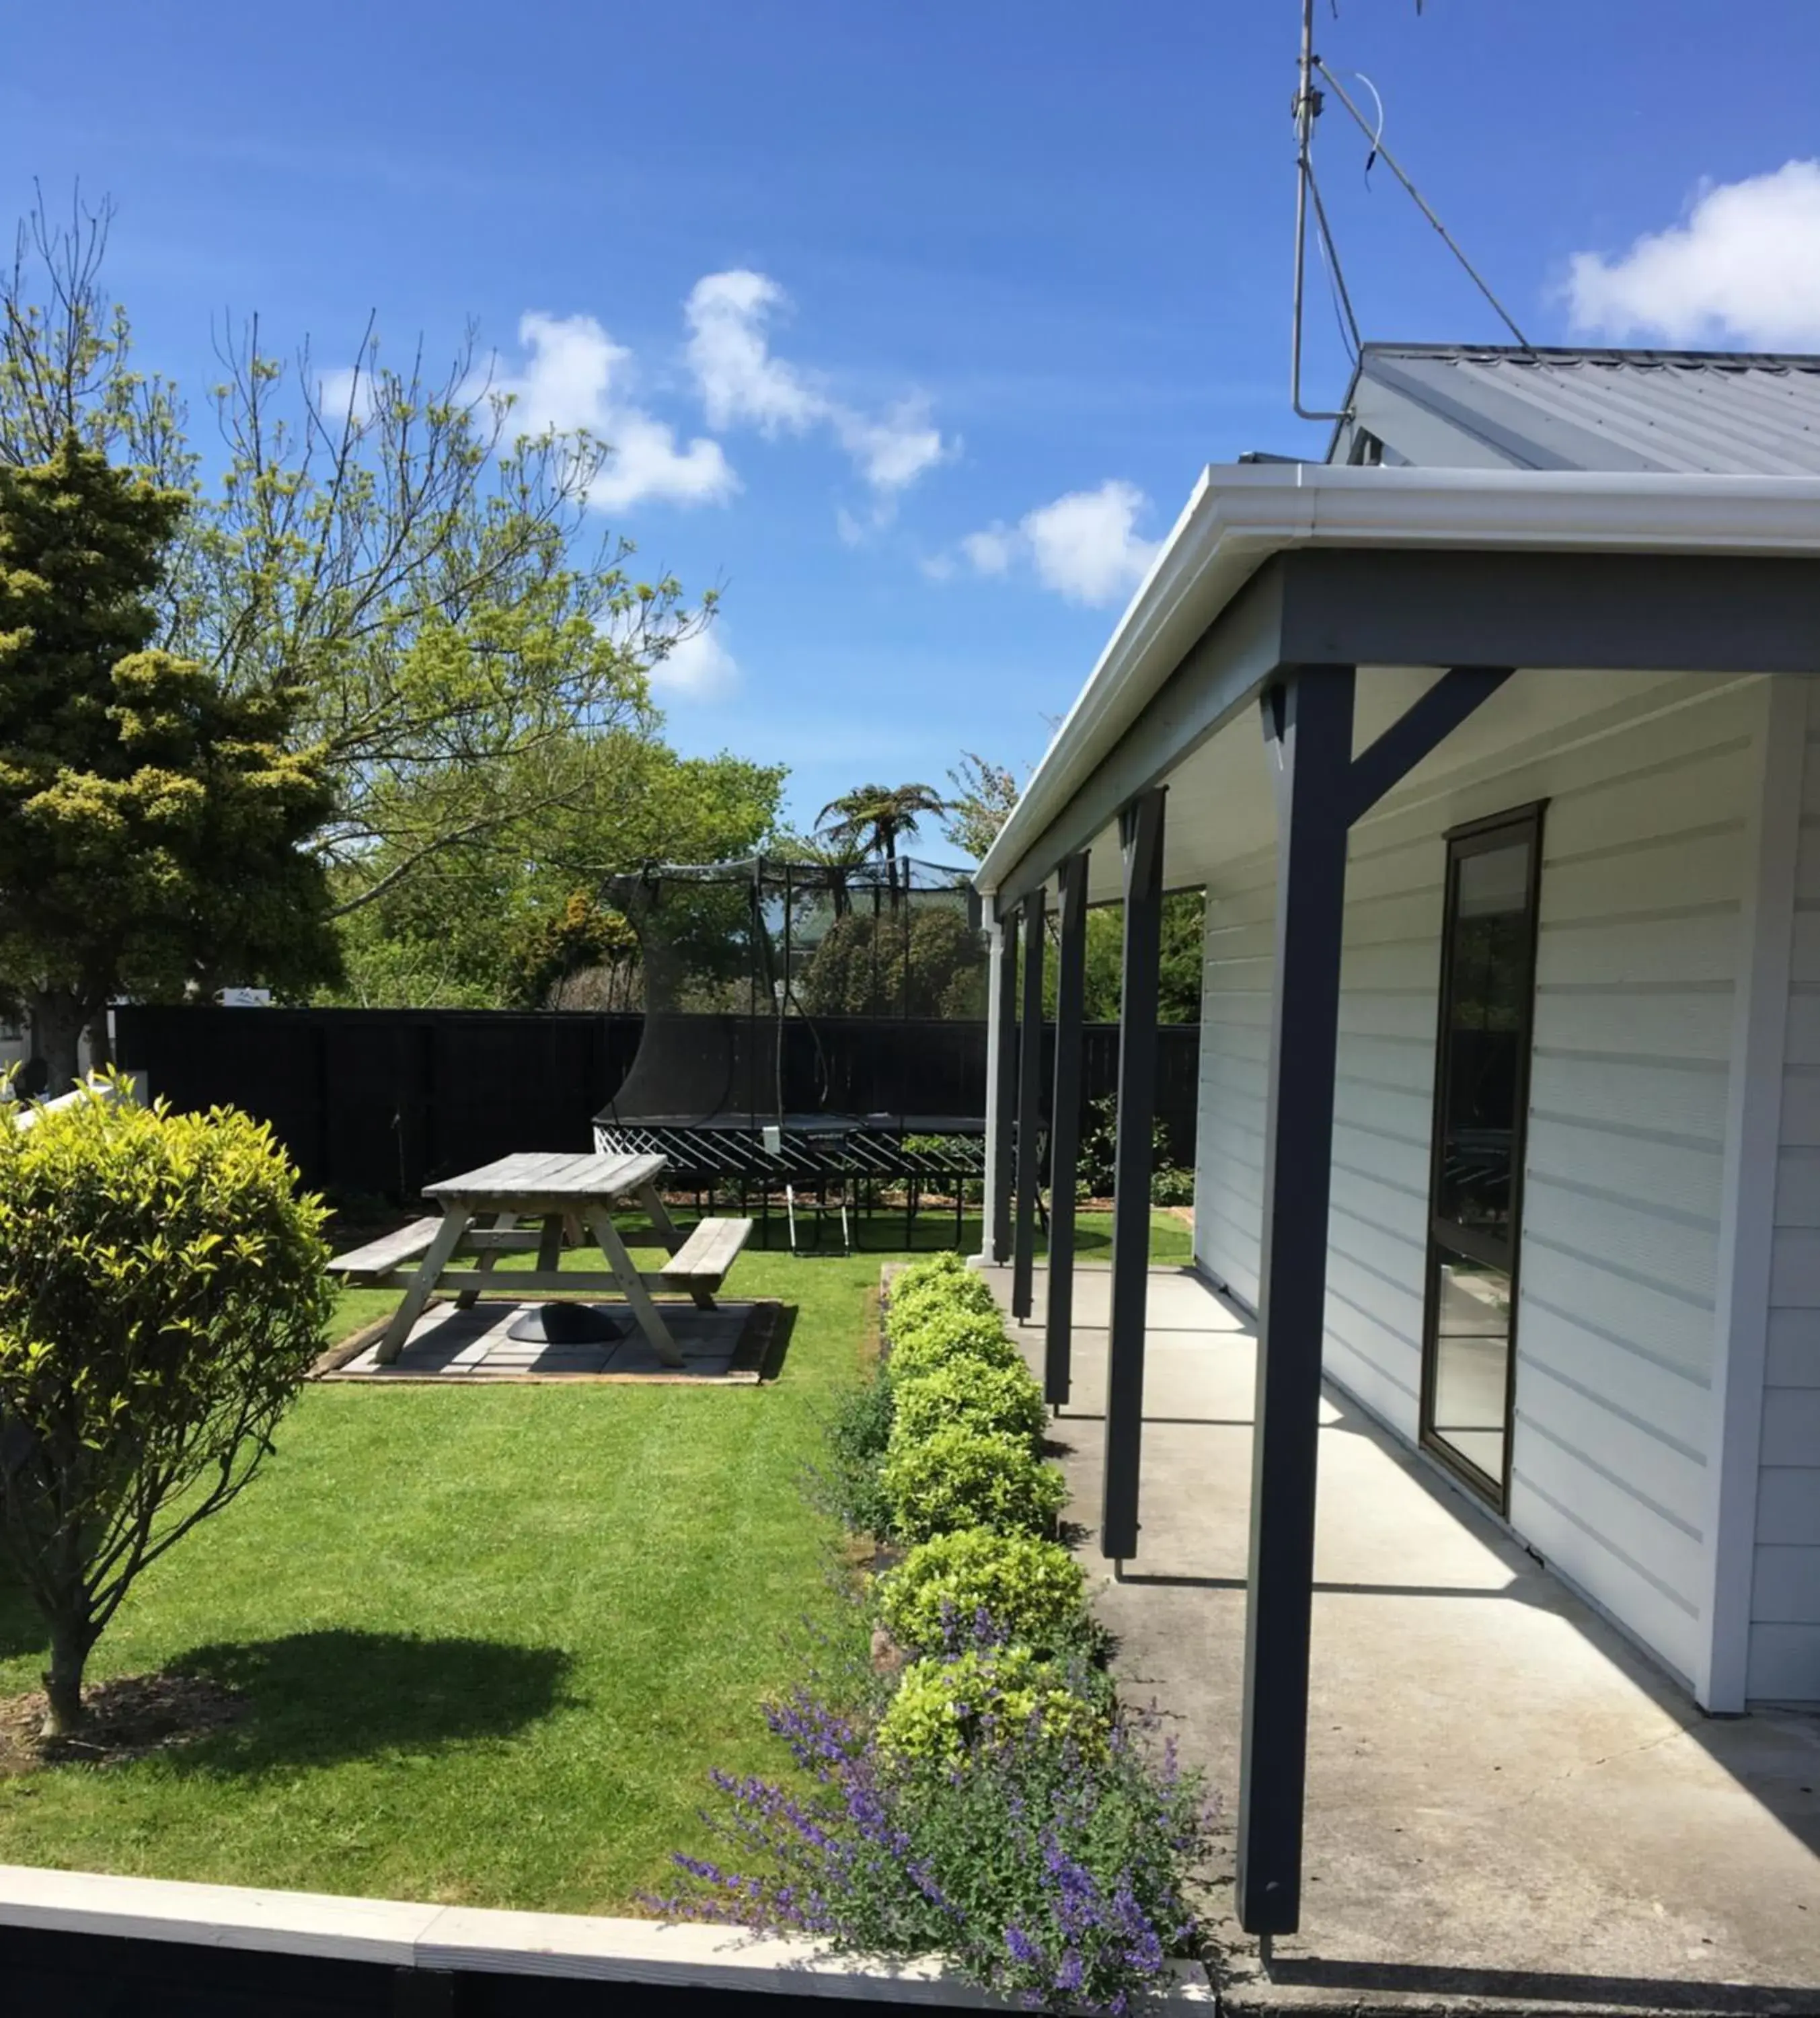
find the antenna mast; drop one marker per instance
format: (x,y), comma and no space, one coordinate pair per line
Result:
(1307,109)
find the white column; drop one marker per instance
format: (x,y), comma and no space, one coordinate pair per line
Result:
(994,1065)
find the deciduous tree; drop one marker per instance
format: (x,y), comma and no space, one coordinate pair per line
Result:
(467,649)
(980,804)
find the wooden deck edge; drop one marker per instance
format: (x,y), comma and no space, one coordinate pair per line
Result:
(351,1347)
(671,1377)
(400,1934)
(752,1364)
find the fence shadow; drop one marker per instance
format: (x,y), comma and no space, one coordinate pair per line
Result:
(317,1698)
(1432,1983)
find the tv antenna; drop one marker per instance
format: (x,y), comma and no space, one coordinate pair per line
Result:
(1309,101)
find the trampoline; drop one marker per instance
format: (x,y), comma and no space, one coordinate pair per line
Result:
(813,1039)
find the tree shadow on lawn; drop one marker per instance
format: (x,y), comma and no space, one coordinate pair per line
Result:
(317,1698)
(21,1630)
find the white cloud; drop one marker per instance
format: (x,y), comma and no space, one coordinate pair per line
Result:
(574,377)
(742,381)
(699,667)
(892,452)
(1085,546)
(728,351)
(992,550)
(343,393)
(1742,267)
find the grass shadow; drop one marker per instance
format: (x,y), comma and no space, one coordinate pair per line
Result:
(317,1698)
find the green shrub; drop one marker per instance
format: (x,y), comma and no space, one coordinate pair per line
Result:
(1095,1173)
(948,1291)
(945,1336)
(856,1434)
(1000,1401)
(1033,1591)
(959,1478)
(944,1708)
(163,1296)
(930,1268)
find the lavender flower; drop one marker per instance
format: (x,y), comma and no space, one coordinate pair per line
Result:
(1051,1878)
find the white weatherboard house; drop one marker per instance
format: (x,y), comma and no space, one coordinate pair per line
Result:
(1494,742)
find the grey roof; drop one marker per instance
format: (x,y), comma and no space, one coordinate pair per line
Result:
(1725,412)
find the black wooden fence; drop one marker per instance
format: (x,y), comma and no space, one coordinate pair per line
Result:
(378,1102)
(95,1976)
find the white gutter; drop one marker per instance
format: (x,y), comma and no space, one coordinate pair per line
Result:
(1240,514)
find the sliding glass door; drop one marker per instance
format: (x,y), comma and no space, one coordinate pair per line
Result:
(1488,967)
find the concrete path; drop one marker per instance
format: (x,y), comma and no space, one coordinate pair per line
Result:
(1509,1807)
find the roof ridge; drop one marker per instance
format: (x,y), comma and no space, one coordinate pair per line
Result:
(1575,354)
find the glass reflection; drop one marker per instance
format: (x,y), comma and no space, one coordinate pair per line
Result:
(1486,1001)
(1472,1352)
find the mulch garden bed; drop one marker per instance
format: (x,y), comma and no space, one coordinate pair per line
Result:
(131,1717)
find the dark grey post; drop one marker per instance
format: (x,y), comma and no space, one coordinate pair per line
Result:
(1065,1129)
(1308,728)
(1029,1106)
(1141,830)
(1002,1092)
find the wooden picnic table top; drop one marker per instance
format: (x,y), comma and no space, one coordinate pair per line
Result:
(560,1174)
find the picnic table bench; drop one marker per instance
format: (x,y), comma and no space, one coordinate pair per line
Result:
(482,1215)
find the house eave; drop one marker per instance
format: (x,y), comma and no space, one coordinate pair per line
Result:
(1238,516)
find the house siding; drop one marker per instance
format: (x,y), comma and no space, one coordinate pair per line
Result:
(1235,1076)
(1645,861)
(1784,1660)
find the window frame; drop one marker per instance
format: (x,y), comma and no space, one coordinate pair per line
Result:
(1479,836)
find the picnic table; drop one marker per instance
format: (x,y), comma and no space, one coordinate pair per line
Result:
(482,1216)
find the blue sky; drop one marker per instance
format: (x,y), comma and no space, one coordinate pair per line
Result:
(915,324)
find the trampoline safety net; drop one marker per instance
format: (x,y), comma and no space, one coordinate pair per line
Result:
(810,1033)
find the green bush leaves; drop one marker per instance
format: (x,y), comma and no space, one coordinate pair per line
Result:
(960,1478)
(1033,1591)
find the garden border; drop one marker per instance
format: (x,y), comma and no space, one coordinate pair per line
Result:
(480,1940)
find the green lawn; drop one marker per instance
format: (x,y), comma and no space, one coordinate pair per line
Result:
(492,1639)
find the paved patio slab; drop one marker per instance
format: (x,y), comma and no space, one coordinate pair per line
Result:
(1510,1808)
(725,1344)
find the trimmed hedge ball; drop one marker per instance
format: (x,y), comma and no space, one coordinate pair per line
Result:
(910,1301)
(945,1711)
(959,1478)
(945,1336)
(1000,1400)
(1033,1591)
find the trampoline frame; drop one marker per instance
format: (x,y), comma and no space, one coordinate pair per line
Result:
(844,1162)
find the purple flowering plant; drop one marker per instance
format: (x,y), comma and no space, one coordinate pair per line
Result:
(1018,1825)
(1055,1877)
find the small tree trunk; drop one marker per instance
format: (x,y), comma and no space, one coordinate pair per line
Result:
(57,1018)
(62,1680)
(100,1044)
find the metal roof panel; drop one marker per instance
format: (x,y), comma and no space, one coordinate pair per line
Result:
(1717,413)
